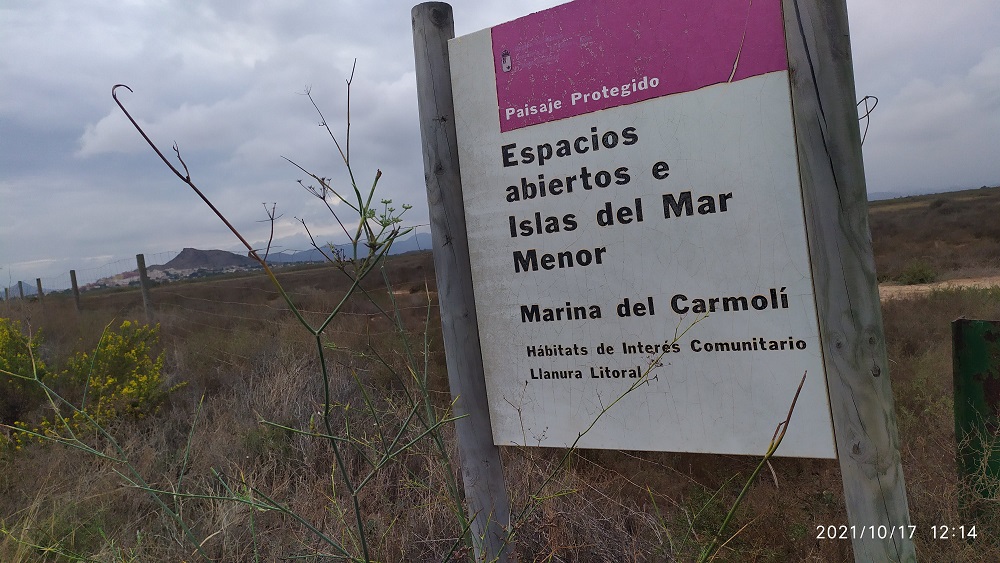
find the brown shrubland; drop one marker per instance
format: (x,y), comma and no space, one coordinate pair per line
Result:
(244,359)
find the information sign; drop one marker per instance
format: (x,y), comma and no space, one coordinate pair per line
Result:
(636,230)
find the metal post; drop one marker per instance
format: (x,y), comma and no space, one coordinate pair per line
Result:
(482,474)
(976,358)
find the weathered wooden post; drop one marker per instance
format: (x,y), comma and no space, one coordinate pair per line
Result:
(20,289)
(76,289)
(836,208)
(482,474)
(147,302)
(976,357)
(38,287)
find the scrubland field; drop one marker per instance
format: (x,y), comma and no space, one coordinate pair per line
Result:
(188,470)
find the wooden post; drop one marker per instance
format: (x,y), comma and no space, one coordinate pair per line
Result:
(147,302)
(836,212)
(20,289)
(76,289)
(482,474)
(38,287)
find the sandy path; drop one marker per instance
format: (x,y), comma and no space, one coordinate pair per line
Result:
(887,291)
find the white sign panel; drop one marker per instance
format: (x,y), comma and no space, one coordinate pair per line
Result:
(636,229)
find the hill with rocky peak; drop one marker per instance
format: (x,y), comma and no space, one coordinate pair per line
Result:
(212,260)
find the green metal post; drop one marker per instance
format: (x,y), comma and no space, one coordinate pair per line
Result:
(976,353)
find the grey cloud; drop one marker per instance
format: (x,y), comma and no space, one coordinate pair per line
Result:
(224,78)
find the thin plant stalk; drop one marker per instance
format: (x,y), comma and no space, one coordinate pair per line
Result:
(779,434)
(378,243)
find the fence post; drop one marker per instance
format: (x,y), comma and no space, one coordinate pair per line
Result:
(976,359)
(147,302)
(76,289)
(482,473)
(38,286)
(20,289)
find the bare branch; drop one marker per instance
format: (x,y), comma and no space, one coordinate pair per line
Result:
(186,177)
(271,218)
(347,141)
(312,241)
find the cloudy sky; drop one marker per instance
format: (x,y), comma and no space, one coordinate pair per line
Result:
(224,79)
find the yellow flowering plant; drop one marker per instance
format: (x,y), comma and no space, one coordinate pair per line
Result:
(18,357)
(121,378)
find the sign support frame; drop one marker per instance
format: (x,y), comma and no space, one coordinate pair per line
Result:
(482,472)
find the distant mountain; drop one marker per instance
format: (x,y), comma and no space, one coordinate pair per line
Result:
(420,241)
(194,259)
(301,256)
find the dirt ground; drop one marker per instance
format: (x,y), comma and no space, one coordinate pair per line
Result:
(895,291)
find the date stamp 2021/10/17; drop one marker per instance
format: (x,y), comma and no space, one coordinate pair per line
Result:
(938,532)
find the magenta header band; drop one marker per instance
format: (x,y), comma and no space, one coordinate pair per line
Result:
(590,55)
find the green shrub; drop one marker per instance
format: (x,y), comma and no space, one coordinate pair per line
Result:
(18,357)
(121,378)
(917,271)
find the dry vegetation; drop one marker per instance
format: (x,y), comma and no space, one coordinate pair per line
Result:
(245,359)
(921,239)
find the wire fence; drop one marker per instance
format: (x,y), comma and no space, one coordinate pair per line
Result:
(123,272)
(233,319)
(219,329)
(102,274)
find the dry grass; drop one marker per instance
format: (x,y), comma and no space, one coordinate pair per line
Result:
(236,345)
(954,235)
